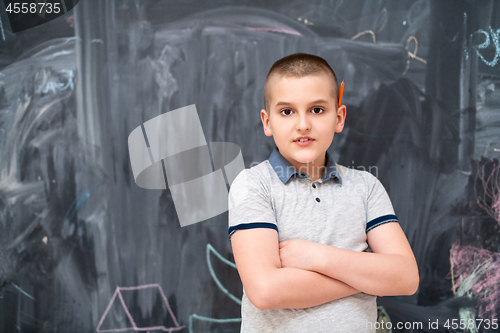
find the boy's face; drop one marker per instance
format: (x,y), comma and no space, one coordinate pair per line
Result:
(303,107)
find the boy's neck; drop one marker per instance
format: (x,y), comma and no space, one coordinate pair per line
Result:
(314,171)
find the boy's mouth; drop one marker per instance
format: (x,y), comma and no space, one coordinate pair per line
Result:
(303,139)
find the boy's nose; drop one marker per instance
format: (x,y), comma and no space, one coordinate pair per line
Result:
(303,122)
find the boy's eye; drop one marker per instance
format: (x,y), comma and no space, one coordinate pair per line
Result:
(288,111)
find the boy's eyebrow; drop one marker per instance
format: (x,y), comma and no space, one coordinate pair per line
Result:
(313,102)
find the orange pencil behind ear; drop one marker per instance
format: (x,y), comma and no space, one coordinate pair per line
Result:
(341,92)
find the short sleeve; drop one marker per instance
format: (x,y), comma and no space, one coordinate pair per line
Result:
(379,206)
(249,204)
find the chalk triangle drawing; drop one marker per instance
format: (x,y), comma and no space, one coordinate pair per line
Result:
(117,317)
(118,300)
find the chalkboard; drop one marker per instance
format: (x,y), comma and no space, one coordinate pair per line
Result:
(85,249)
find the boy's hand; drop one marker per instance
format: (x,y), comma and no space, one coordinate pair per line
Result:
(299,253)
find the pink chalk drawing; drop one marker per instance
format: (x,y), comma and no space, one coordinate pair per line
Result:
(129,316)
(489,201)
(475,272)
(71,21)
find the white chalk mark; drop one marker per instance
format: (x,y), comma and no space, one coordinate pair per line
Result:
(1,28)
(64,6)
(285,31)
(22,291)
(381,21)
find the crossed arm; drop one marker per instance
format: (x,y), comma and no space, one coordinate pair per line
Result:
(389,271)
(313,273)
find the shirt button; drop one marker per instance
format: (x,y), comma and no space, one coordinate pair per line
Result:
(317,199)
(314,185)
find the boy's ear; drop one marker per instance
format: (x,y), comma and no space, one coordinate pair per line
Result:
(265,122)
(341,114)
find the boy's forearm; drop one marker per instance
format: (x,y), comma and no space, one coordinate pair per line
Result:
(371,273)
(294,288)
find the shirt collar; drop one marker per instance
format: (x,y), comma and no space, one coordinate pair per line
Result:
(285,170)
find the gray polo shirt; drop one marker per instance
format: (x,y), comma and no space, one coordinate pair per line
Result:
(338,210)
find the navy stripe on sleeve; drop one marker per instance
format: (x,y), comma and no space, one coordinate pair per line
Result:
(232,230)
(381,220)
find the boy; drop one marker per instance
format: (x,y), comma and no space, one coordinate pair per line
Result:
(300,225)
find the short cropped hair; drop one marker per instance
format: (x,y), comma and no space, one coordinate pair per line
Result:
(298,65)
